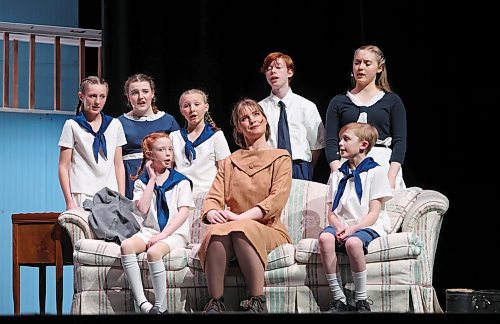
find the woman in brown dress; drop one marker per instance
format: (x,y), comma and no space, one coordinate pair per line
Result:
(244,205)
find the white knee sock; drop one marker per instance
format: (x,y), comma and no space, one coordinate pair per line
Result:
(133,275)
(159,280)
(335,284)
(359,279)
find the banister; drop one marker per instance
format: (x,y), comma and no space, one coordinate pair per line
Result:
(13,33)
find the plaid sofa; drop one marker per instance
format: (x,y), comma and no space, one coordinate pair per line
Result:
(400,265)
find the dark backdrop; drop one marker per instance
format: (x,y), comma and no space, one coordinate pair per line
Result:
(435,60)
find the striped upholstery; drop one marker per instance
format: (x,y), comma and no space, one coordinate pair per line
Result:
(399,265)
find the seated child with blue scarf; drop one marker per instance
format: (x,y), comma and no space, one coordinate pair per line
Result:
(163,197)
(356,213)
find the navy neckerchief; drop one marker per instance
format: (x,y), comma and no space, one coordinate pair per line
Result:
(365,165)
(189,147)
(99,138)
(161,200)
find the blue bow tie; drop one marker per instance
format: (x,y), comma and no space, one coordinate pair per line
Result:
(99,138)
(189,147)
(161,199)
(365,165)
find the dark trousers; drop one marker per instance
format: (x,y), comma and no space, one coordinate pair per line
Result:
(302,170)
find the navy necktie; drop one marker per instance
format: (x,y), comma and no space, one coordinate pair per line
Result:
(365,165)
(283,132)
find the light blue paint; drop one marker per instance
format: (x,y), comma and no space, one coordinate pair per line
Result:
(44,76)
(29,158)
(47,12)
(28,148)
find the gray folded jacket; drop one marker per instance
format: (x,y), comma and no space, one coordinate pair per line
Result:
(111,216)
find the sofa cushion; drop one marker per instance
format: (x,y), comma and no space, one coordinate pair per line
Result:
(99,278)
(397,246)
(101,253)
(281,257)
(398,206)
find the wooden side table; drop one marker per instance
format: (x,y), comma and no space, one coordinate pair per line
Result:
(39,241)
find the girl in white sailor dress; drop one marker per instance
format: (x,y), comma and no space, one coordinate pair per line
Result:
(91,147)
(163,198)
(200,144)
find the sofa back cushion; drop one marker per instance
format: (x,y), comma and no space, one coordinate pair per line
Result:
(305,211)
(197,226)
(398,206)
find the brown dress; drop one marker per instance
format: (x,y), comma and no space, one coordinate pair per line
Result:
(244,180)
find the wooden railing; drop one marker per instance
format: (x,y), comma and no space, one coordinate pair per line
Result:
(13,33)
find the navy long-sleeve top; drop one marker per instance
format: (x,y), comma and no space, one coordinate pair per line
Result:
(388,116)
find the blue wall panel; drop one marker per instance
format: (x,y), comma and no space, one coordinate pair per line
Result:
(29,158)
(47,12)
(29,152)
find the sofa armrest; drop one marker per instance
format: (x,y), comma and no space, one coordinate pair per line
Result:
(430,206)
(424,218)
(75,221)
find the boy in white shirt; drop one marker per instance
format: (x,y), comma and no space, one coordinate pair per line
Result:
(303,124)
(357,192)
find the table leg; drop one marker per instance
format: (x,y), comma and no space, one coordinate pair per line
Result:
(15,271)
(59,269)
(42,278)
